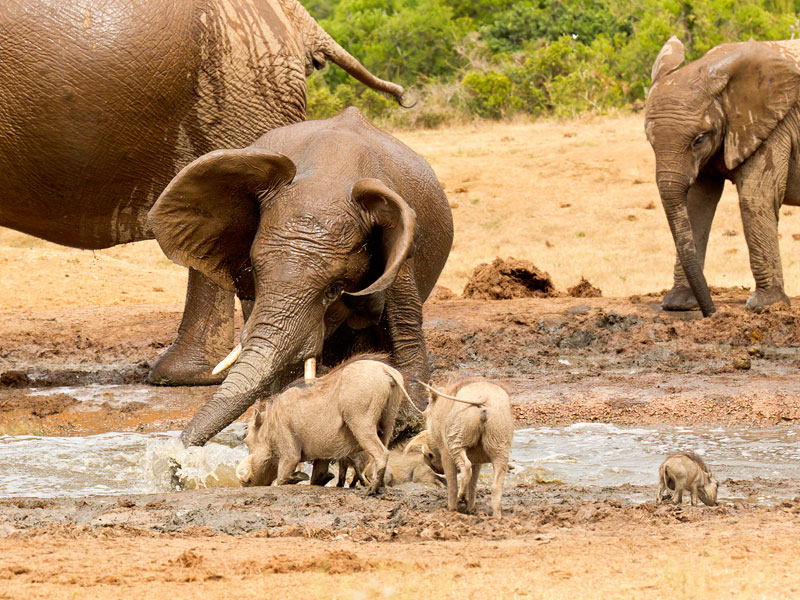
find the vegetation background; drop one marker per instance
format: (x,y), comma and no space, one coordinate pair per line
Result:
(497,58)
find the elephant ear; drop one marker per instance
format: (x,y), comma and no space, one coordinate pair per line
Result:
(392,221)
(208,215)
(668,60)
(758,87)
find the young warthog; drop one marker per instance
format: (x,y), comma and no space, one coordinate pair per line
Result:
(469,425)
(334,417)
(687,471)
(409,467)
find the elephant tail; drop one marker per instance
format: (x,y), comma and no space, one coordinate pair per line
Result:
(321,47)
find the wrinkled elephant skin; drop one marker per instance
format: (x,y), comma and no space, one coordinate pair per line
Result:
(337,232)
(730,115)
(102,103)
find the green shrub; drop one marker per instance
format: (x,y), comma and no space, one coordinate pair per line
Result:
(489,94)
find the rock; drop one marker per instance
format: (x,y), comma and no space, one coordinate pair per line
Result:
(741,362)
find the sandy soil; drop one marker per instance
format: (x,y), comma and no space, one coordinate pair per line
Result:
(69,317)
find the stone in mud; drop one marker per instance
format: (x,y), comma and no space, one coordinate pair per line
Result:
(509,278)
(741,363)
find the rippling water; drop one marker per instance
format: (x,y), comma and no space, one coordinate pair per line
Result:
(585,454)
(607,455)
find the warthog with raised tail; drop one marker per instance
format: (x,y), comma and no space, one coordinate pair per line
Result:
(469,425)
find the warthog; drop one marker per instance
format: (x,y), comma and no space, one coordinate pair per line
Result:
(469,425)
(687,471)
(408,467)
(332,418)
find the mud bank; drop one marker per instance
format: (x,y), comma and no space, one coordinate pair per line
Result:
(566,360)
(412,512)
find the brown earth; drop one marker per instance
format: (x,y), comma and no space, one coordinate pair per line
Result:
(69,319)
(508,278)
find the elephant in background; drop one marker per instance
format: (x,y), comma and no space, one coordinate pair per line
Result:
(732,114)
(102,103)
(337,233)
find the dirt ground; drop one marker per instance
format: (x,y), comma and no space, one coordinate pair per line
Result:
(74,318)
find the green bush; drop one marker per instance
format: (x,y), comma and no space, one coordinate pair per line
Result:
(489,94)
(494,58)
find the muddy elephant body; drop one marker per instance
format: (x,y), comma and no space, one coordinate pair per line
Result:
(730,115)
(102,103)
(334,230)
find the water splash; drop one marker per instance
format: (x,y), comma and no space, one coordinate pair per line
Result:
(587,454)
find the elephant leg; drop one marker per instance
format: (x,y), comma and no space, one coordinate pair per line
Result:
(205,336)
(701,204)
(761,191)
(402,324)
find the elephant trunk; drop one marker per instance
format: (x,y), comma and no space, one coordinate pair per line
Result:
(320,40)
(246,383)
(673,196)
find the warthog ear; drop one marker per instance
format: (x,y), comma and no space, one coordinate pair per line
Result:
(390,222)
(208,215)
(258,417)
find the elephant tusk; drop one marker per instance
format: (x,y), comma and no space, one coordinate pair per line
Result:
(228,360)
(310,369)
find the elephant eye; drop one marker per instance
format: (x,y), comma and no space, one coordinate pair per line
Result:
(699,139)
(334,291)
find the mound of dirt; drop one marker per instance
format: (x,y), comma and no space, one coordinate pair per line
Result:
(508,278)
(584,289)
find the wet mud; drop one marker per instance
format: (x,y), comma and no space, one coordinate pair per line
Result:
(564,359)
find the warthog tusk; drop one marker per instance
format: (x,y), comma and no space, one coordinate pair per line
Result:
(228,360)
(310,369)
(449,397)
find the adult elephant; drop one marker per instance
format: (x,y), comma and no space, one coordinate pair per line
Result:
(102,103)
(732,114)
(337,232)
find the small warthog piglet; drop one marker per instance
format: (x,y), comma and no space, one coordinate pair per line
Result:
(687,471)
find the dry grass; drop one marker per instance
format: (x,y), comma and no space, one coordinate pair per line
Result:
(578,198)
(585,187)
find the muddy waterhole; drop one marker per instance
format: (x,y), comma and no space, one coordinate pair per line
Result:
(584,454)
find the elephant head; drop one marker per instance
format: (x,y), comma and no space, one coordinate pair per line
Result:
(310,252)
(718,109)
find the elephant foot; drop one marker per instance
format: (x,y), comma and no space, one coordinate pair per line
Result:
(176,366)
(680,298)
(764,297)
